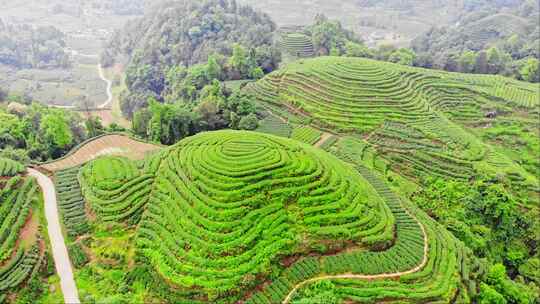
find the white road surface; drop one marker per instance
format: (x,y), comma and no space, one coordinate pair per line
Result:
(107,102)
(109,88)
(59,250)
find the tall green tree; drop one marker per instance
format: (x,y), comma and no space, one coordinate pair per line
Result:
(467,61)
(239,60)
(531,70)
(56,132)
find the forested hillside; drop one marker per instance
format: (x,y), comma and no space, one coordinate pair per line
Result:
(174,40)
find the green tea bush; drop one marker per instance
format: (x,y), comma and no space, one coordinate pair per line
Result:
(10,167)
(219,209)
(71,202)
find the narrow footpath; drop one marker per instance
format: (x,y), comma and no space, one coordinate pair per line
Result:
(59,250)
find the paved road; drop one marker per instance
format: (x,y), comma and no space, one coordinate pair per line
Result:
(109,88)
(59,250)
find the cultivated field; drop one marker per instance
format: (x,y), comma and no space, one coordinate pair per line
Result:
(105,145)
(297,44)
(227,181)
(239,200)
(420,122)
(21,246)
(87,30)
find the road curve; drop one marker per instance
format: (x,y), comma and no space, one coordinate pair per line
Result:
(59,250)
(364,276)
(109,88)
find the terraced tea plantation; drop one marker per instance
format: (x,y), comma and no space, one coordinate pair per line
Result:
(21,247)
(425,264)
(306,135)
(226,205)
(216,215)
(297,44)
(71,202)
(422,122)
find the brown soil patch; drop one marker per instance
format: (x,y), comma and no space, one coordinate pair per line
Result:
(325,136)
(119,145)
(28,235)
(30,230)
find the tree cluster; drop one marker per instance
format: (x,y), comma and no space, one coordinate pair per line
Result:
(217,108)
(487,219)
(39,133)
(191,36)
(23,46)
(183,84)
(329,36)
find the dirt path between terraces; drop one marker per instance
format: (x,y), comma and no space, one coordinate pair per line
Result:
(325,136)
(368,277)
(59,249)
(363,276)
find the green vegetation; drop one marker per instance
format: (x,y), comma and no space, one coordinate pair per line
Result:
(485,217)
(423,187)
(38,133)
(329,143)
(218,108)
(274,125)
(10,167)
(306,135)
(70,202)
(21,249)
(302,200)
(417,120)
(459,146)
(297,44)
(441,279)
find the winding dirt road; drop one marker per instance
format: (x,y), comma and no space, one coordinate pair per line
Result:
(59,250)
(367,277)
(363,276)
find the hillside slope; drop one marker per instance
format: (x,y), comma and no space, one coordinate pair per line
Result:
(219,210)
(423,122)
(22,249)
